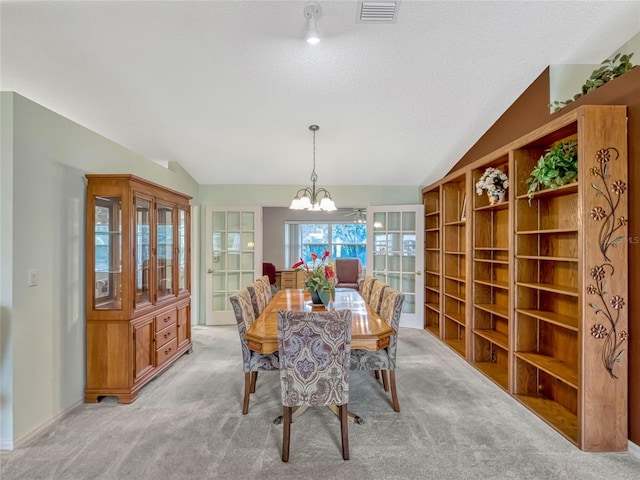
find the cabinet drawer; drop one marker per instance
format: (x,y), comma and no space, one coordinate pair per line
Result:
(288,283)
(166,352)
(163,320)
(166,335)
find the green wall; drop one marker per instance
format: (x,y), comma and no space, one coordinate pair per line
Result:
(44,159)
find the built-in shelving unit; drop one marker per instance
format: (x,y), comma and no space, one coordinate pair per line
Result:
(533,290)
(432,260)
(491,280)
(454,263)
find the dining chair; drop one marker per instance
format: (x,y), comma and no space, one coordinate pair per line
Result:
(258,296)
(252,362)
(365,288)
(385,359)
(314,365)
(375,299)
(266,285)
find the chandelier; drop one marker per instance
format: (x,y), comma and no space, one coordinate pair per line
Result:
(312,198)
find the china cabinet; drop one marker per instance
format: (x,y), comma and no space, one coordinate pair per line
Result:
(137,283)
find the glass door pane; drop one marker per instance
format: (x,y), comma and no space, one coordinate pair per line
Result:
(397,230)
(233,259)
(165,250)
(108,254)
(183,267)
(142,251)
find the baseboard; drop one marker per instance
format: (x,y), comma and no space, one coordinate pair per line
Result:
(6,445)
(634,450)
(25,439)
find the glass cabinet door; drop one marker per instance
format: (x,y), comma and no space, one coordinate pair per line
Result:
(165,251)
(142,251)
(107,266)
(183,273)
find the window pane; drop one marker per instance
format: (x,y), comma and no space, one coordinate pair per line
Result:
(314,234)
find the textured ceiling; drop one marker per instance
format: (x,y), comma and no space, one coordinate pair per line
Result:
(228,88)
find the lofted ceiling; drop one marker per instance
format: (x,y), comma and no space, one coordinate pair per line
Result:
(228,88)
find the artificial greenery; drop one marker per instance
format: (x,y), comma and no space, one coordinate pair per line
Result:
(558,166)
(609,69)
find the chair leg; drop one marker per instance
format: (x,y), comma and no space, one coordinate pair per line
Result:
(385,382)
(247,390)
(344,429)
(254,379)
(286,432)
(377,374)
(394,394)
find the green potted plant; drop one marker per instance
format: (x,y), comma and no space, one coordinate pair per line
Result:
(609,69)
(558,166)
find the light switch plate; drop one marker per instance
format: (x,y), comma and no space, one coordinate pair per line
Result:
(32,278)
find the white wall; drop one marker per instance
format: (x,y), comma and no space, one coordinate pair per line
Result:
(43,327)
(6,268)
(567,80)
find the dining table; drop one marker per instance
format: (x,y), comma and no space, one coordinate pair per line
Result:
(368,330)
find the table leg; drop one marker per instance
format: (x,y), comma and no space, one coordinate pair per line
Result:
(352,417)
(297,411)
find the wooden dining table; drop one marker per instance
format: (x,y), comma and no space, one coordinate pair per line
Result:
(368,330)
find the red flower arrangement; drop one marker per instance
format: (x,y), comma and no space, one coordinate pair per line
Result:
(319,273)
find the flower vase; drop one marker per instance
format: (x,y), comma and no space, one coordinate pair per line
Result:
(495,198)
(315,298)
(327,296)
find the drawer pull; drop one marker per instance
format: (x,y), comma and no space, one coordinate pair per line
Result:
(166,352)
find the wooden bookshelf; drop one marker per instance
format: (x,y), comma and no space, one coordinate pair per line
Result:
(533,291)
(454,263)
(491,251)
(432,260)
(559,241)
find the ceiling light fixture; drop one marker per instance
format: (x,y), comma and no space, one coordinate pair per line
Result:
(312,12)
(312,198)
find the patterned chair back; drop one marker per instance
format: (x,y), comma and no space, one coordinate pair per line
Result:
(243,311)
(376,295)
(266,285)
(390,311)
(315,350)
(365,289)
(258,295)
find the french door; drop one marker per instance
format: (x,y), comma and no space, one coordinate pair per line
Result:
(395,236)
(233,258)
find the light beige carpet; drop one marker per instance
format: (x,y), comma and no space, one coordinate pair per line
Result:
(187,424)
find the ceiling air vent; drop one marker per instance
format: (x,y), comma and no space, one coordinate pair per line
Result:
(372,11)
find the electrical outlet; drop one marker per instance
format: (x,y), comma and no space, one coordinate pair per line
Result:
(32,277)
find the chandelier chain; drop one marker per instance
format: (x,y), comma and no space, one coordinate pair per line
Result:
(314,175)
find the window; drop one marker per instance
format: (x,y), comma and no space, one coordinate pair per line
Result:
(341,239)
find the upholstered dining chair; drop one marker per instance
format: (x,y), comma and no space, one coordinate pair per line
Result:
(259,296)
(252,362)
(314,350)
(365,287)
(266,281)
(375,298)
(385,359)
